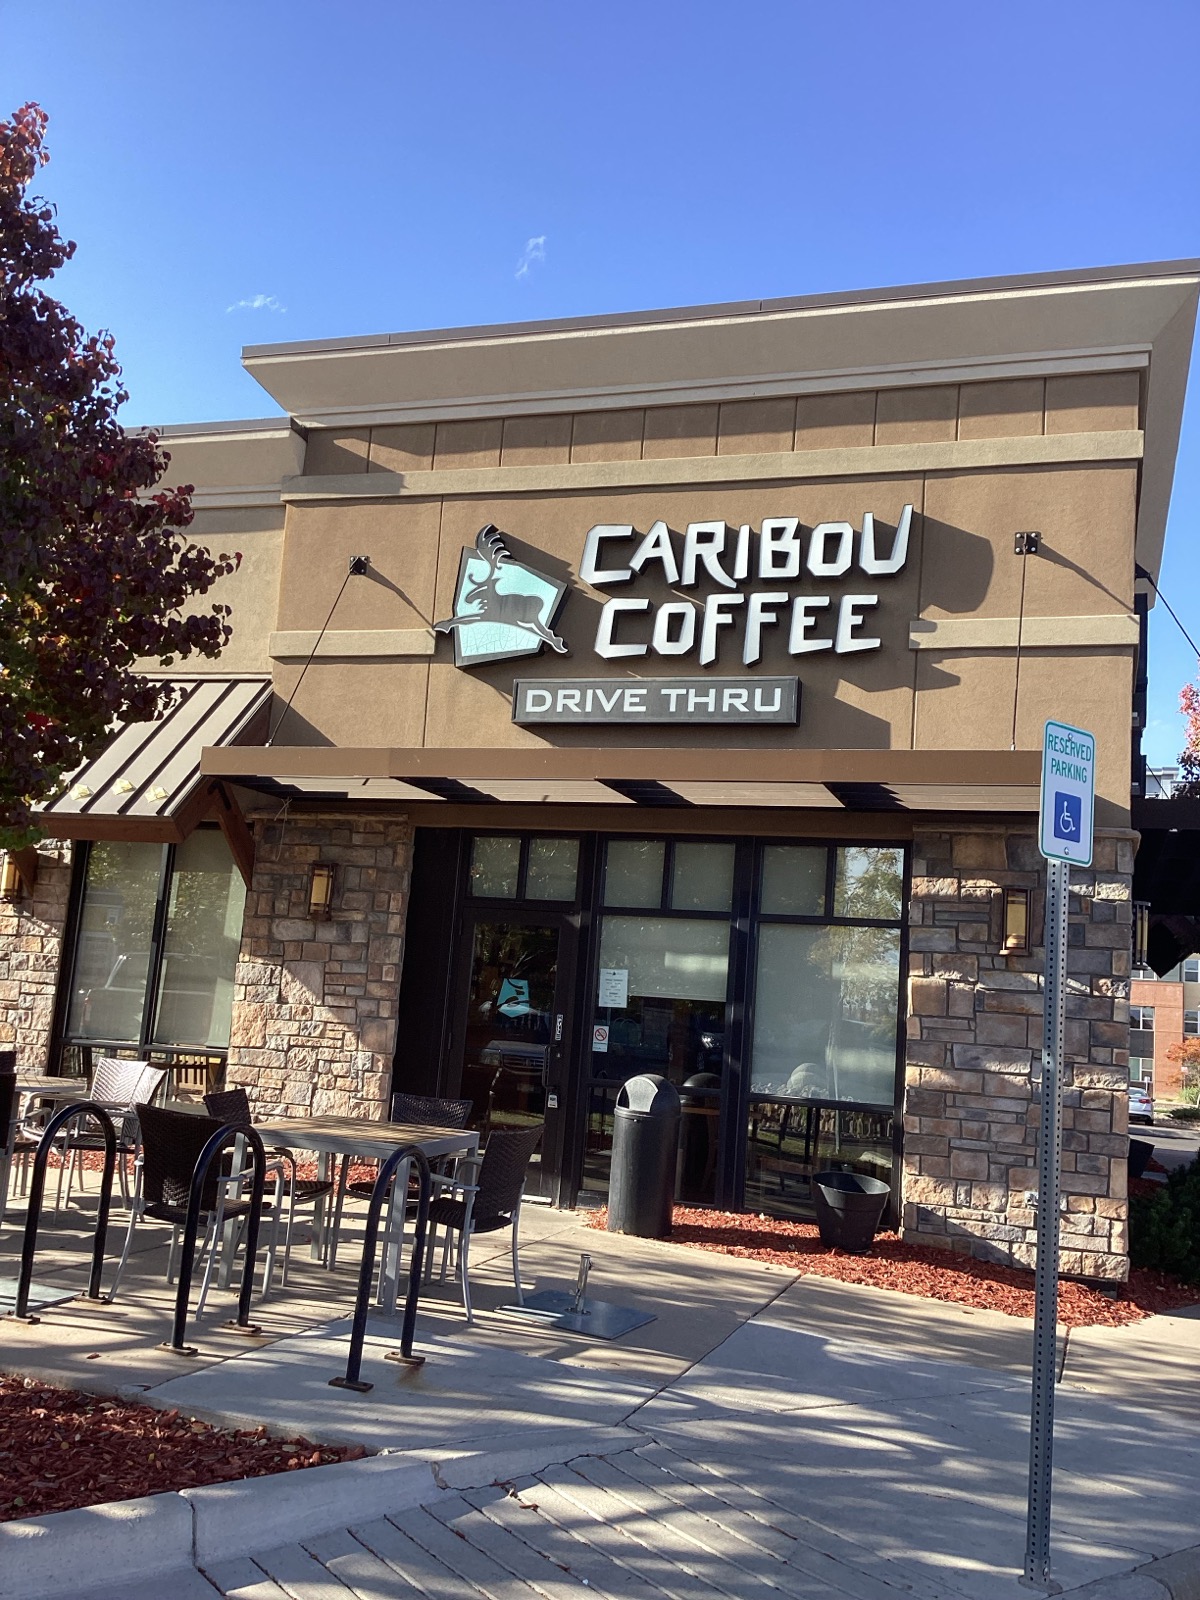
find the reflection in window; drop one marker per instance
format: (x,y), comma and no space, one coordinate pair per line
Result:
(675,975)
(495,864)
(793,879)
(825,1013)
(112,955)
(787,1144)
(702,877)
(200,948)
(633,872)
(869,882)
(552,869)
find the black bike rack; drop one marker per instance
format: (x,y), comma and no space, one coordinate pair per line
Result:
(220,1141)
(366,1274)
(37,1185)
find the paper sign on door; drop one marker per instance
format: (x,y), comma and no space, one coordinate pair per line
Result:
(614,988)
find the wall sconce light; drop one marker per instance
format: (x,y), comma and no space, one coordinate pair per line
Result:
(1141,932)
(10,878)
(320,892)
(1016,922)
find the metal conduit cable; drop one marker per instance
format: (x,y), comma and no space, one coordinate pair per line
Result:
(357,568)
(1140,572)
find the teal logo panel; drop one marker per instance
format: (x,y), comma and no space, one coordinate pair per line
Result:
(502,608)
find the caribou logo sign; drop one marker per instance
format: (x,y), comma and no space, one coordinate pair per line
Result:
(502,608)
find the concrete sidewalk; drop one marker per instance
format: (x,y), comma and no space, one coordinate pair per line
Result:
(797,1434)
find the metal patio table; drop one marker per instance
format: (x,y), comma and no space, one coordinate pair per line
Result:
(366,1140)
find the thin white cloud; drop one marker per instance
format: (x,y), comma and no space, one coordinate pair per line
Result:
(258,302)
(533,253)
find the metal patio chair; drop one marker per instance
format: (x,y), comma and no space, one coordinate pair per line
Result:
(171,1145)
(120,1086)
(232,1107)
(419,1110)
(490,1203)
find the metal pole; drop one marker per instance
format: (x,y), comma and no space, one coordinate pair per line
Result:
(1045,1322)
(37,1184)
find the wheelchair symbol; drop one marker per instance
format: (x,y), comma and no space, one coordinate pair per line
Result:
(1068,816)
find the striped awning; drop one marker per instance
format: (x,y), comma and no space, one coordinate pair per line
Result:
(146,782)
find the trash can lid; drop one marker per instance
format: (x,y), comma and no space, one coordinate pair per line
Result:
(650,1095)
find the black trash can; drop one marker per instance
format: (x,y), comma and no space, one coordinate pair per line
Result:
(1140,1151)
(700,1102)
(645,1149)
(848,1207)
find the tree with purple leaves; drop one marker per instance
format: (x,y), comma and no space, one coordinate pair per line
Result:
(96,576)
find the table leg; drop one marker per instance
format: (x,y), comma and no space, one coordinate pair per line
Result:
(393,1237)
(321,1208)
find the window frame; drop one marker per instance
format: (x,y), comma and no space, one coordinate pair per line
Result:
(66,1045)
(526,836)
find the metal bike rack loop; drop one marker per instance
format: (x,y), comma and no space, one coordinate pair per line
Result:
(219,1142)
(352,1380)
(37,1185)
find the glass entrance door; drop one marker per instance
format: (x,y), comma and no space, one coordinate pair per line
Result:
(513,1028)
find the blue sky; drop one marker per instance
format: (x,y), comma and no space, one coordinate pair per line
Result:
(243,173)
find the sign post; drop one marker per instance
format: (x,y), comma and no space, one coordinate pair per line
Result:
(1065,824)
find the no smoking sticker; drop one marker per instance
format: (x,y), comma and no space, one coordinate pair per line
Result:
(600,1038)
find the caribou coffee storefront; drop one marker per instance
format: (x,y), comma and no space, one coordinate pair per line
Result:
(663,694)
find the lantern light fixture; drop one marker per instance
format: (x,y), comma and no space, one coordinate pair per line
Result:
(1016,922)
(320,891)
(10,878)
(1141,932)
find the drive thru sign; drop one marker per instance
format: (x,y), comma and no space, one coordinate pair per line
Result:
(1068,794)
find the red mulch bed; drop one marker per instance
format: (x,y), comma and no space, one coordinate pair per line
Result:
(60,1449)
(917,1269)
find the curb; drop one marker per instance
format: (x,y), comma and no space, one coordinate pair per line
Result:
(42,1558)
(1173,1577)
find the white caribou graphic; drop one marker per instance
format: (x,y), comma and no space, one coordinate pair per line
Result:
(521,611)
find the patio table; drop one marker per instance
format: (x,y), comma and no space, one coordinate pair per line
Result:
(366,1140)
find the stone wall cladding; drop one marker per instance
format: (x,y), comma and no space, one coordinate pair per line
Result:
(972,1090)
(31,944)
(314,1005)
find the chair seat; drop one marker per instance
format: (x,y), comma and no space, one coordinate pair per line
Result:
(312,1188)
(452,1214)
(178,1214)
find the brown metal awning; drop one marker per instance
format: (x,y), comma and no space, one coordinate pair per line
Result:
(851,780)
(146,783)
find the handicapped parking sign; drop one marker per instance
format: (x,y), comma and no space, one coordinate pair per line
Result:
(1068,794)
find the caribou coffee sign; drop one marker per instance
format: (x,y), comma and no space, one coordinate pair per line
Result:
(757,582)
(784,552)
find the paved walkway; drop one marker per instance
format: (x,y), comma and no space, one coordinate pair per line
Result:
(767,1432)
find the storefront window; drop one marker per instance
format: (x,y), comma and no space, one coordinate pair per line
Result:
(495,867)
(112,953)
(868,882)
(788,1142)
(633,872)
(124,992)
(200,948)
(702,877)
(552,869)
(825,1012)
(793,879)
(665,980)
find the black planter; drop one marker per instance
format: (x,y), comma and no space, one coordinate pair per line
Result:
(1140,1151)
(848,1207)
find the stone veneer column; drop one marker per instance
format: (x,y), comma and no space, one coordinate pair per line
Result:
(31,942)
(315,1003)
(972,1090)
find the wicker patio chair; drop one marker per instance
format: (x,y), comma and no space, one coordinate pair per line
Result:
(232,1107)
(120,1086)
(422,1111)
(491,1202)
(171,1145)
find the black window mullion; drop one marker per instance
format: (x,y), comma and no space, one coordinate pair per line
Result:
(668,874)
(158,933)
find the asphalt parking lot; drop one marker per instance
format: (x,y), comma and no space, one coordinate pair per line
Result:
(1175,1143)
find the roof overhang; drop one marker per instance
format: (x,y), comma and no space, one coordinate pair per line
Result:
(146,783)
(1116,318)
(653,778)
